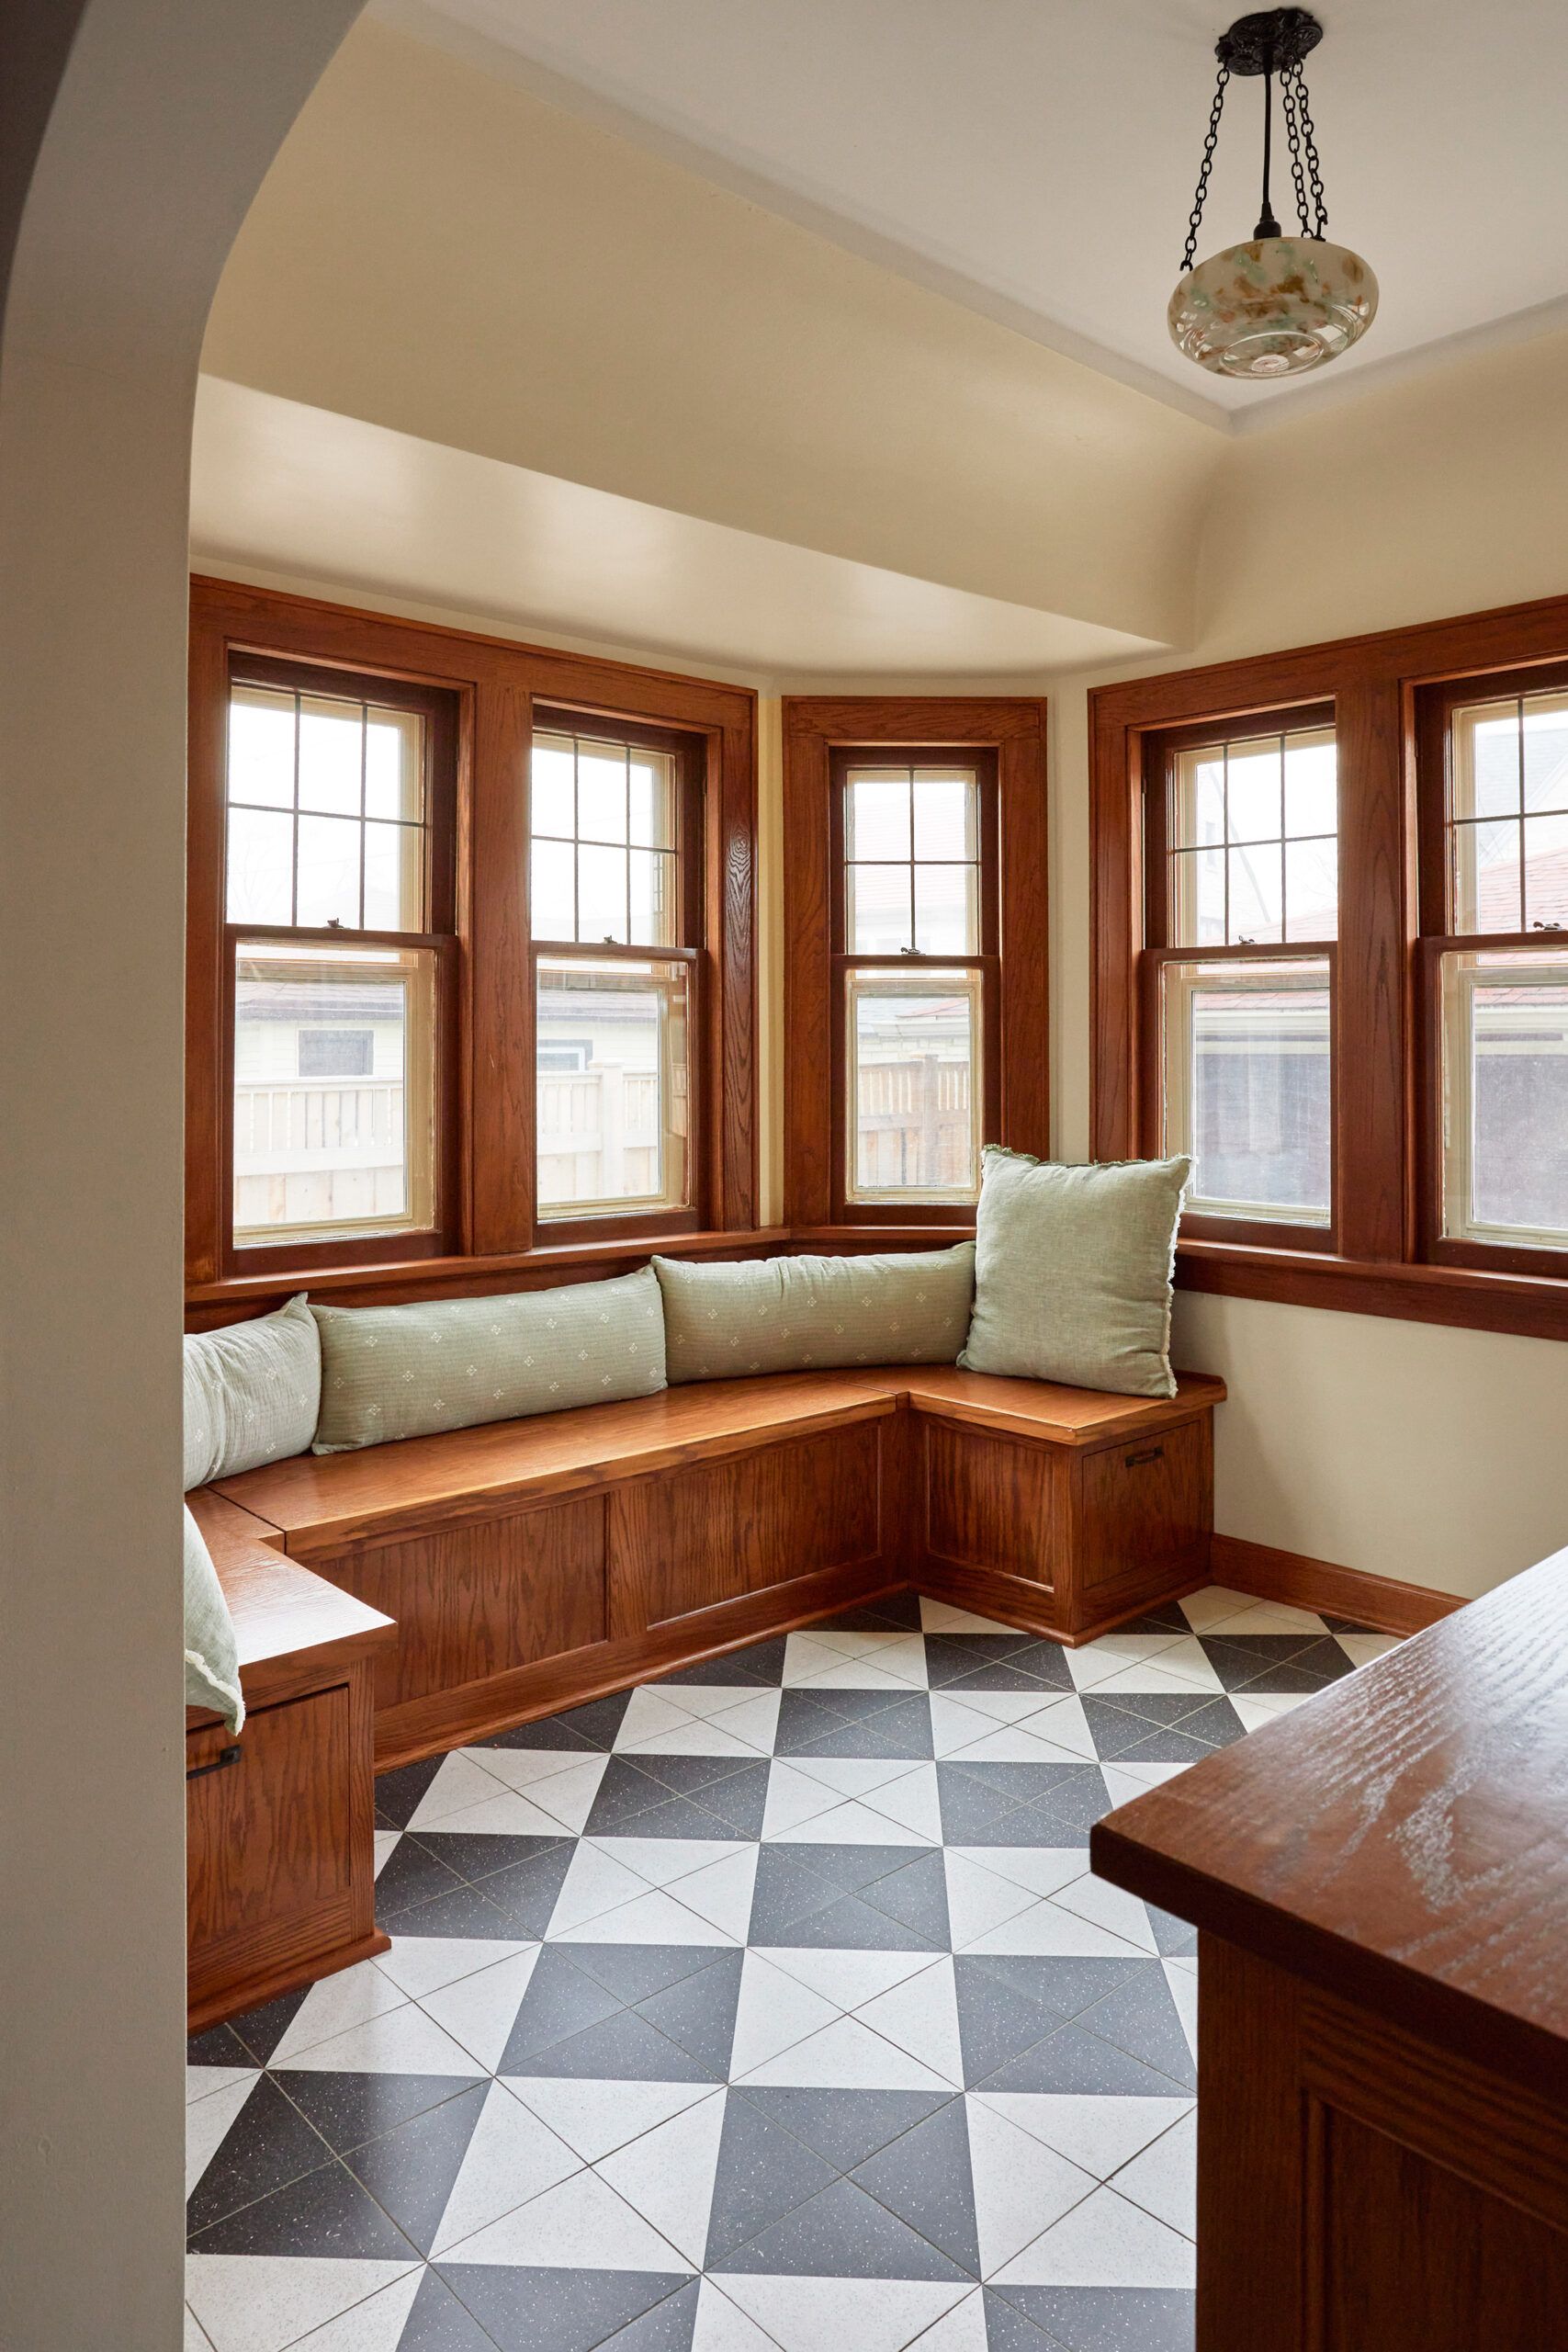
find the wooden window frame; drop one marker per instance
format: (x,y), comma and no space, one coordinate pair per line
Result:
(1382,1261)
(658,1224)
(489,1237)
(818,732)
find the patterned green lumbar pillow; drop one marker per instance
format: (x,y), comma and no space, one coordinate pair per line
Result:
(252,1393)
(392,1372)
(1073,1271)
(724,1321)
(212,1662)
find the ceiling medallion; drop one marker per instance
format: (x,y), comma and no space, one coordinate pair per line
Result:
(1277,305)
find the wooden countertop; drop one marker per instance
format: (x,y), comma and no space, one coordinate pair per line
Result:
(1401,1840)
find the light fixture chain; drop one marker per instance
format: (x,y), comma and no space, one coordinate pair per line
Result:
(1289,103)
(1309,141)
(1200,192)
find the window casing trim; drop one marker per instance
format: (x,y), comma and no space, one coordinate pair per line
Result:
(1383,1261)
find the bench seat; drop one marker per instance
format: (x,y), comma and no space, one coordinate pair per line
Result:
(531,1564)
(279,1821)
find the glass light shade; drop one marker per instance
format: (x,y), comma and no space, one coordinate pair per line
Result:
(1272,308)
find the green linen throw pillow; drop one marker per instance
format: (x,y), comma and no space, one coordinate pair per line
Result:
(1073,1271)
(722,1322)
(212,1660)
(392,1372)
(252,1391)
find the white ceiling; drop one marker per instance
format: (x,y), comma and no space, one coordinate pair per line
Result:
(302,493)
(1036,158)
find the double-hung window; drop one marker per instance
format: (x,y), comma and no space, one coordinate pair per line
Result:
(337,880)
(914,942)
(1494,983)
(616,858)
(1242,886)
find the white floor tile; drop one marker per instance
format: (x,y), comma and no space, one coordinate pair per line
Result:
(847,2055)
(1125,1781)
(1097,2135)
(386,1846)
(524,1767)
(776,2011)
(659,1861)
(921,2015)
(422,1964)
(480,2011)
(251,2302)
(568,1797)
(504,1814)
(596,1881)
(1156,1677)
(958,1720)
(1097,1662)
(850,1824)
(594,2116)
(460,1784)
(721,1893)
(196,2339)
(723,2327)
(814,2314)
(1022,2185)
(1048,1932)
(1258,1712)
(655,1917)
(1361,1648)
(1267,1617)
(978,1899)
(581,2225)
(1182,1978)
(207,2121)
(1205,1610)
(1110,1907)
(404,2041)
(1104,2242)
(376,2325)
(1038,1870)
(913,1801)
(202,2081)
(847,1978)
(794,1797)
(513,2156)
(350,1998)
(856,1775)
(962,2329)
(1030,1743)
(1164,2178)
(667,2175)
(945,1617)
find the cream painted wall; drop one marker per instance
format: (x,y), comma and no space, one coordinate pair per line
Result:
(1437,1457)
(440,252)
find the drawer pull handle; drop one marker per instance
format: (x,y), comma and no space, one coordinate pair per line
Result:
(1136,1461)
(224,1755)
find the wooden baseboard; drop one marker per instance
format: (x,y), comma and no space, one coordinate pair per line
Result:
(1381,1602)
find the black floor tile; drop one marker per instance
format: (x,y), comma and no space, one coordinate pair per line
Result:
(268,2144)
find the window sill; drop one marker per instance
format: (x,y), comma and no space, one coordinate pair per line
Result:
(1532,1307)
(399,1284)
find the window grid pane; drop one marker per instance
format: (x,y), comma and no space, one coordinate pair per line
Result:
(1507,822)
(912,861)
(1254,841)
(604,822)
(326,818)
(1505,1097)
(912,1050)
(334,1092)
(1247,1087)
(613,1085)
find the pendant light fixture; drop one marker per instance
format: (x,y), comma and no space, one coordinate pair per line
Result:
(1277,305)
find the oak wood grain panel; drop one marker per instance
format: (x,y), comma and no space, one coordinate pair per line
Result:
(1374,1177)
(471,1602)
(1024,877)
(1534,1308)
(713,1534)
(446,1718)
(1251,2154)
(269,1856)
(992,1503)
(288,1620)
(327,1503)
(1412,2259)
(1399,1840)
(1381,1602)
(493,918)
(1143,1511)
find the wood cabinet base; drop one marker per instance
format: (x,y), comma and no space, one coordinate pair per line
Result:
(1360,2191)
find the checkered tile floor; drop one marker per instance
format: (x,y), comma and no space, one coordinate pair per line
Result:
(769,2008)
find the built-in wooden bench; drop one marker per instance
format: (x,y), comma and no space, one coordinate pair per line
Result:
(530,1565)
(279,1847)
